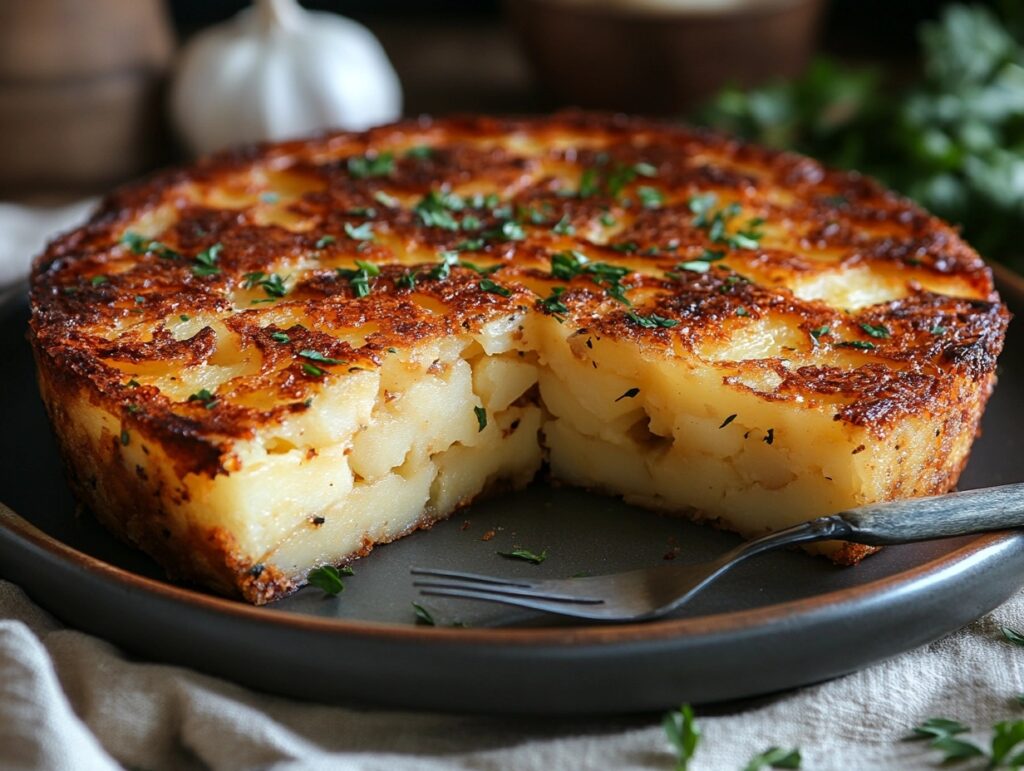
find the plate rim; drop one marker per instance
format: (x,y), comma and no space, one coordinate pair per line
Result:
(601,634)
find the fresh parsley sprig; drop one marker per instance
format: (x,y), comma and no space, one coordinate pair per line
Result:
(683,734)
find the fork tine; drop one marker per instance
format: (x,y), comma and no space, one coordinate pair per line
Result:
(468,577)
(586,608)
(510,591)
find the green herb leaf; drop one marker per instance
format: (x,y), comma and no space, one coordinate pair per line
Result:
(206,261)
(564,227)
(435,210)
(486,285)
(1012,635)
(208,399)
(880,331)
(650,197)
(312,370)
(125,438)
(420,152)
(525,555)
(423,616)
(308,353)
(363,232)
(481,418)
(324,241)
(408,279)
(280,337)
(97,280)
(366,166)
(935,727)
(861,344)
(651,320)
(553,304)
(694,266)
(817,334)
(272,284)
(588,183)
(683,734)
(774,757)
(328,579)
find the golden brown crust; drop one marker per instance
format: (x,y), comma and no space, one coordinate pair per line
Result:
(209,241)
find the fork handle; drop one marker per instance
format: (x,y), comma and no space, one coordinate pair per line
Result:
(941,516)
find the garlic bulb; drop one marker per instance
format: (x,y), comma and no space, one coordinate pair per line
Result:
(276,71)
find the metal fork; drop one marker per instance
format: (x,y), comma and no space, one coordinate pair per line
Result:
(638,595)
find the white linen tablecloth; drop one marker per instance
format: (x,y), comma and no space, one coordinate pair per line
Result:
(71,701)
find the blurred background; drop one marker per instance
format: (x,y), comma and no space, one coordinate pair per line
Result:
(926,95)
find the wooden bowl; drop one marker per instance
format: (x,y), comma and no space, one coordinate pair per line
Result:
(661,62)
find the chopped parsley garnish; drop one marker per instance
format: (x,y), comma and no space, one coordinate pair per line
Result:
(694,266)
(423,616)
(651,321)
(510,230)
(312,370)
(553,304)
(774,757)
(525,555)
(208,399)
(471,222)
(386,199)
(133,383)
(607,220)
(362,211)
(650,197)
(435,210)
(630,394)
(568,265)
(588,183)
(443,270)
(943,735)
(741,311)
(328,579)
(184,317)
(308,353)
(97,280)
(1012,635)
(366,166)
(937,330)
(206,261)
(481,418)
(879,332)
(280,337)
(272,283)
(564,227)
(363,232)
(270,197)
(125,438)
(859,344)
(408,279)
(421,152)
(141,245)
(324,241)
(628,247)
(139,299)
(612,181)
(359,278)
(486,285)
(682,733)
(728,420)
(817,334)
(716,223)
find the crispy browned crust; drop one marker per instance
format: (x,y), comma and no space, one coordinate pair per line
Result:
(101,310)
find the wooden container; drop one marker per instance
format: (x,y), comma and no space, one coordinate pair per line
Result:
(80,93)
(599,55)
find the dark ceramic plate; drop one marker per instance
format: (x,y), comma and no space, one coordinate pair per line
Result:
(780,621)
